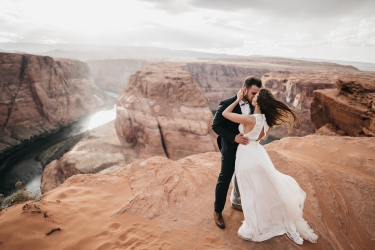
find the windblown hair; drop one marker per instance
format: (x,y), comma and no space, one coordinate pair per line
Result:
(252,80)
(277,112)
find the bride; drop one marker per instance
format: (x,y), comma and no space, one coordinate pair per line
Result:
(272,202)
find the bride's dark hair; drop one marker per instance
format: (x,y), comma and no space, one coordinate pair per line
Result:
(276,112)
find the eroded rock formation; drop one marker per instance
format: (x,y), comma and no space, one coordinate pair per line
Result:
(114,74)
(350,107)
(38,95)
(99,149)
(170,203)
(330,130)
(292,81)
(296,89)
(162,112)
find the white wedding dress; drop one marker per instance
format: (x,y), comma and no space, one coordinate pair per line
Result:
(272,202)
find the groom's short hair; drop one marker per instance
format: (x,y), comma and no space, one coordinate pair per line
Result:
(252,80)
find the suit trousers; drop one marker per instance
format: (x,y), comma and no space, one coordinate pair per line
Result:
(223,182)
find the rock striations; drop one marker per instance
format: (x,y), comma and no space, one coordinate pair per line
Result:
(350,107)
(162,112)
(38,95)
(170,203)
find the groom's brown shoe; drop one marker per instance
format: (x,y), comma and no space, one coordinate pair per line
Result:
(236,206)
(219,220)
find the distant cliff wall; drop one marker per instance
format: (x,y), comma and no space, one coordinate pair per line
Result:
(290,81)
(114,74)
(220,81)
(39,94)
(296,90)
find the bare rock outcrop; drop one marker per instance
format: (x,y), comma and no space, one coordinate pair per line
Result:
(115,74)
(170,203)
(162,112)
(292,81)
(39,94)
(330,130)
(99,149)
(296,90)
(350,107)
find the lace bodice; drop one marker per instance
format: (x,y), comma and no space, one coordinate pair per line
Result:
(259,124)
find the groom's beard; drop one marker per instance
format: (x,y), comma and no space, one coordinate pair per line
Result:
(246,98)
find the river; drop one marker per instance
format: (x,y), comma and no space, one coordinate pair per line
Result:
(24,165)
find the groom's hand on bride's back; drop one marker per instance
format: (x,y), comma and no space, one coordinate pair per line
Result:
(240,139)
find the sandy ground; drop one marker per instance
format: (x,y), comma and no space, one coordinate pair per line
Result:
(163,204)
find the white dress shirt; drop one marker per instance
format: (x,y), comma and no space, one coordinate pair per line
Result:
(245,109)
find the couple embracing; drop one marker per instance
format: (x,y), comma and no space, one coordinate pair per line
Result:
(271,202)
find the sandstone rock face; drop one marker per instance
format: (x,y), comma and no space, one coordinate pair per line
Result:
(359,88)
(99,149)
(351,107)
(162,112)
(170,202)
(114,74)
(291,81)
(38,95)
(296,90)
(220,81)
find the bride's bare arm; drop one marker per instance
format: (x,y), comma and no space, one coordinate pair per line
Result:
(267,134)
(237,118)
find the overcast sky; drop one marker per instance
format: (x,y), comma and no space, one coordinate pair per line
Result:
(327,29)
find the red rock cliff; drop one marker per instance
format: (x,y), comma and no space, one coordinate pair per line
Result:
(296,90)
(162,112)
(39,94)
(350,107)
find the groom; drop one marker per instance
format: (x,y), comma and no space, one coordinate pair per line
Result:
(228,140)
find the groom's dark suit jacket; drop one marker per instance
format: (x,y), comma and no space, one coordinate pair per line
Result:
(226,129)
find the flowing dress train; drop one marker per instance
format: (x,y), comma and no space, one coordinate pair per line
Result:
(272,202)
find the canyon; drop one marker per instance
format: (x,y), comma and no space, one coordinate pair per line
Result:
(39,95)
(160,113)
(164,109)
(292,81)
(151,173)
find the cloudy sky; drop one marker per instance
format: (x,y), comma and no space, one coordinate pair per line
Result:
(326,29)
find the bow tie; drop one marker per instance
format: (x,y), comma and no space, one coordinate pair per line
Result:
(244,103)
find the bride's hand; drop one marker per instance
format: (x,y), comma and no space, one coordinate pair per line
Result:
(240,94)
